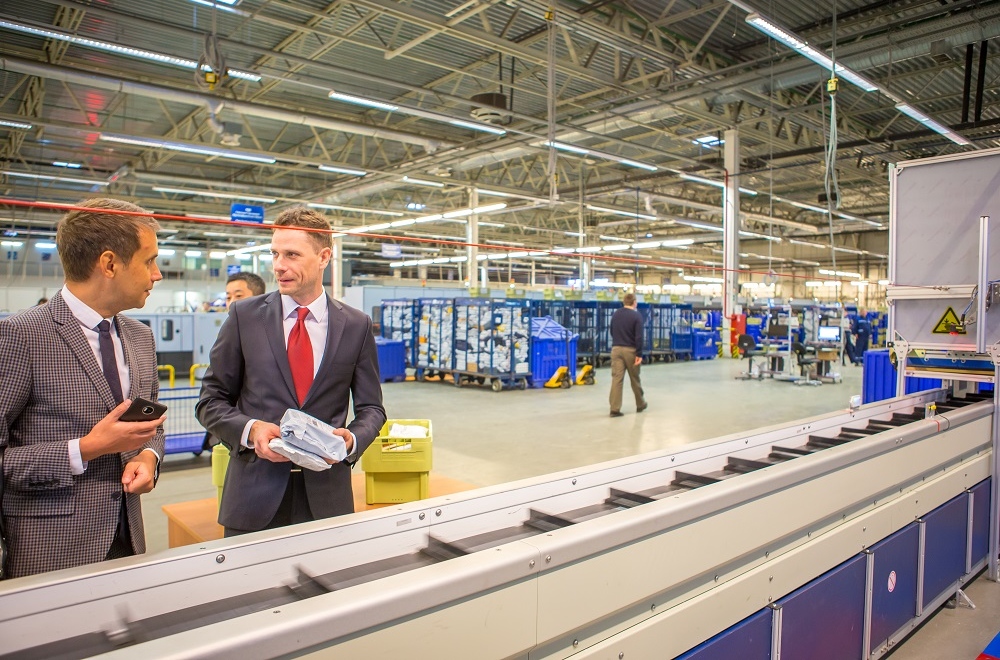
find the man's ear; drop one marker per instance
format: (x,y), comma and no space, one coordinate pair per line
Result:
(107,265)
(324,256)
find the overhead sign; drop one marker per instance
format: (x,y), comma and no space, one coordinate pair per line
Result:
(246,213)
(949,324)
(392,250)
(232,269)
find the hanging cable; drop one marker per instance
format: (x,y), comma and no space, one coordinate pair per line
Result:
(211,67)
(830,183)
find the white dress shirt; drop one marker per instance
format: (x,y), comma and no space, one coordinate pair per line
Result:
(317,323)
(89,319)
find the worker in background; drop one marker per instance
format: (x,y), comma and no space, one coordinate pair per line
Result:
(292,348)
(41,301)
(72,471)
(626,354)
(243,285)
(862,331)
(847,351)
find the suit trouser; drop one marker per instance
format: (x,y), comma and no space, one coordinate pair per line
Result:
(622,361)
(294,507)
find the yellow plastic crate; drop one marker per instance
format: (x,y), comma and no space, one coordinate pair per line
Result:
(395,487)
(387,454)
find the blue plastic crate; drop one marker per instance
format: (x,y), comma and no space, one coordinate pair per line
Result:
(880,378)
(184,442)
(552,346)
(391,360)
(705,344)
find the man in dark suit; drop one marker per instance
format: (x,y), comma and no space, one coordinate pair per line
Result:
(293,348)
(73,472)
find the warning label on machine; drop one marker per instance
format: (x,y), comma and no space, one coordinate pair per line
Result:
(949,324)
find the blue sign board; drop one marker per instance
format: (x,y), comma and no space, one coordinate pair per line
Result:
(232,269)
(246,213)
(392,251)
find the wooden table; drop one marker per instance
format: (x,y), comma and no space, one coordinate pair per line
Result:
(195,521)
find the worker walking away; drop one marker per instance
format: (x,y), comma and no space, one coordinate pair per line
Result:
(626,354)
(862,330)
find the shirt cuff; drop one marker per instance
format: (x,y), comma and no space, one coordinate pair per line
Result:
(77,465)
(352,457)
(158,457)
(245,438)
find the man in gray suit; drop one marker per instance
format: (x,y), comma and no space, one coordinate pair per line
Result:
(293,348)
(73,472)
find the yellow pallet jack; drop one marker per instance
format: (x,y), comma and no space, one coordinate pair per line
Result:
(586,375)
(562,380)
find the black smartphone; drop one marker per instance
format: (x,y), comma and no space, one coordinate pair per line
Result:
(143,410)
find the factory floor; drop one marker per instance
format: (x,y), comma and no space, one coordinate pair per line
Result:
(486,438)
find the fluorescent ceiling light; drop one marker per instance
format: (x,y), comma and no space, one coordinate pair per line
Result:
(709,141)
(645,246)
(589,249)
(404,223)
(677,242)
(360,100)
(352,209)
(616,248)
(717,184)
(461,213)
(614,238)
(635,163)
(423,182)
(45,245)
(573,233)
(187,148)
(489,208)
(841,273)
(15,124)
(572,148)
(166,252)
(121,50)
(216,255)
(913,113)
(628,214)
(342,170)
(48,177)
(697,225)
(478,127)
(209,193)
(15,244)
(709,280)
(491,224)
(248,250)
(192,253)
(63,163)
(751,234)
(803,205)
(803,48)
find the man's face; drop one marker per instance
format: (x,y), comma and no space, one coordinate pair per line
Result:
(134,282)
(298,264)
(237,290)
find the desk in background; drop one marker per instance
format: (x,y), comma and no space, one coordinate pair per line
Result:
(195,521)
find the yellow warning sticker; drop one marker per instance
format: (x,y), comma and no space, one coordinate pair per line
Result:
(949,324)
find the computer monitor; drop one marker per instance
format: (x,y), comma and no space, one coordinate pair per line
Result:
(829,333)
(777,330)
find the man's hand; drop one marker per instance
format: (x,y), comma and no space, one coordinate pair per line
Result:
(111,436)
(137,477)
(261,435)
(638,361)
(348,440)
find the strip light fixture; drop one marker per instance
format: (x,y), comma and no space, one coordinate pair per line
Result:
(117,49)
(16,124)
(627,214)
(362,101)
(803,48)
(342,170)
(353,209)
(935,126)
(423,182)
(209,193)
(717,184)
(583,151)
(187,148)
(48,177)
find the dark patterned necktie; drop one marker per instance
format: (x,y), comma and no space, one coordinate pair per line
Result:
(109,364)
(300,356)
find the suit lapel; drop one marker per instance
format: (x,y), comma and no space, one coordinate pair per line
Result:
(335,324)
(131,359)
(68,328)
(271,319)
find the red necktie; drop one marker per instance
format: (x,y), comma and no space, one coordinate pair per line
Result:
(300,356)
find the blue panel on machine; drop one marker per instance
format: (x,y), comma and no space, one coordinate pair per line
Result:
(981,520)
(944,553)
(750,639)
(824,620)
(894,589)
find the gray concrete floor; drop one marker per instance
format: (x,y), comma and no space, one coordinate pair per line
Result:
(486,438)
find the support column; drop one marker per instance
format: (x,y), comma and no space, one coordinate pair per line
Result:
(730,235)
(582,230)
(337,269)
(472,238)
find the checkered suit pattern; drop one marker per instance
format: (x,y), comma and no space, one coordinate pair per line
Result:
(52,390)
(250,378)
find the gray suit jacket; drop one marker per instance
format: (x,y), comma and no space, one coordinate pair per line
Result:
(250,378)
(52,390)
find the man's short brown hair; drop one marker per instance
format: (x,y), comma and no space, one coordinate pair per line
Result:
(83,236)
(303,216)
(629,299)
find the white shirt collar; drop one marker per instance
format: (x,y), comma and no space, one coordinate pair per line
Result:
(317,307)
(87,317)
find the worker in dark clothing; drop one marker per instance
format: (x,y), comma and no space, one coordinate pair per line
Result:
(626,354)
(862,331)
